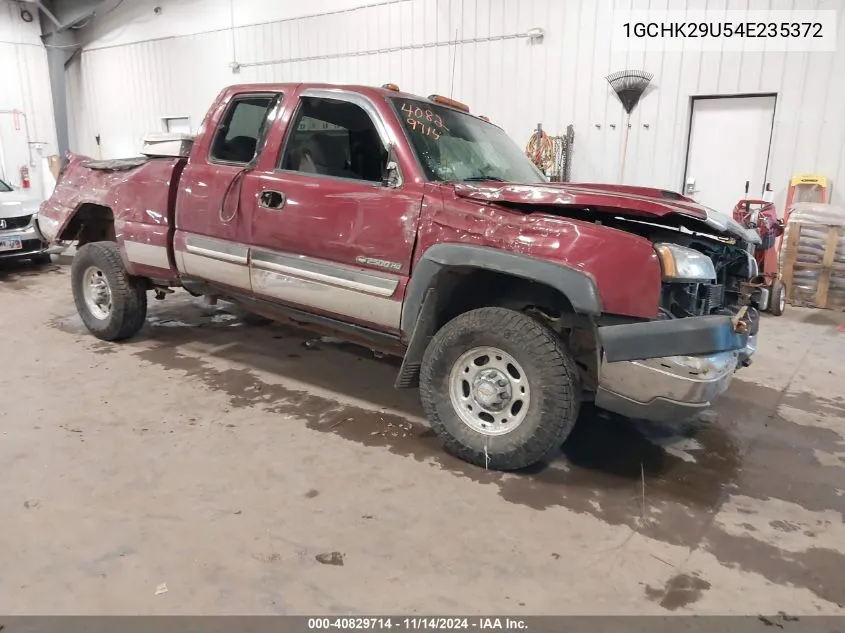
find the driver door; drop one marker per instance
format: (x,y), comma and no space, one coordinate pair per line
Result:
(326,234)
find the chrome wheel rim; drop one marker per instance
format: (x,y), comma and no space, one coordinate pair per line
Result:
(489,391)
(97,293)
(782,300)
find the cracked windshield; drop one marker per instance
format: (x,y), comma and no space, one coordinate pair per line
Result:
(457,147)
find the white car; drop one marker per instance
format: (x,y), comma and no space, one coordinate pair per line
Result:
(19,234)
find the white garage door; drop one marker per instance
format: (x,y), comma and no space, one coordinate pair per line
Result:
(728,145)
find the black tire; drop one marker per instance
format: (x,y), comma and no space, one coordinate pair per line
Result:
(128,294)
(549,369)
(777,301)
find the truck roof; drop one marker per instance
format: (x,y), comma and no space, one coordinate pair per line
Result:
(370,91)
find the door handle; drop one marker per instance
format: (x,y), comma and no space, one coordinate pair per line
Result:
(270,199)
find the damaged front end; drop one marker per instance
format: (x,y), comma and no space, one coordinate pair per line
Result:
(672,367)
(725,290)
(674,364)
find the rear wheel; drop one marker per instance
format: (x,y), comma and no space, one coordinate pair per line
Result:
(777,302)
(499,389)
(112,304)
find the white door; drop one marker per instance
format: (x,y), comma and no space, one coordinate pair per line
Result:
(728,145)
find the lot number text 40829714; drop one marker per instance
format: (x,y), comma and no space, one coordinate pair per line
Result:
(417,623)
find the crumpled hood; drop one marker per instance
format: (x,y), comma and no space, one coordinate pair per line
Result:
(645,202)
(14,204)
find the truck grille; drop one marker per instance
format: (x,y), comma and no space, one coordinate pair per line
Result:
(20,222)
(714,297)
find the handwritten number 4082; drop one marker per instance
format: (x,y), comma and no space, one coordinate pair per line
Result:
(424,121)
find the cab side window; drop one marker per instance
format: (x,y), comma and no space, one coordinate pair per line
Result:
(332,137)
(238,134)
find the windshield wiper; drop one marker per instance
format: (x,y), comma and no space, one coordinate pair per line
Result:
(483,178)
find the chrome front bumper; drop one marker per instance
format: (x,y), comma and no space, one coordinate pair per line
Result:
(669,389)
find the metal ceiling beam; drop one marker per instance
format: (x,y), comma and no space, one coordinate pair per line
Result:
(49,14)
(63,14)
(63,47)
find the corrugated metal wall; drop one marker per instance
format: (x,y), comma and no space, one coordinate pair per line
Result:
(24,86)
(120,92)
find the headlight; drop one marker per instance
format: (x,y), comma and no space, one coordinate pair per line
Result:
(684,264)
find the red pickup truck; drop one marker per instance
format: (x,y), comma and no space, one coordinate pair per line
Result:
(410,225)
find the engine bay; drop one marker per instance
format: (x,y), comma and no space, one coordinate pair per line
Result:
(721,296)
(730,256)
(731,260)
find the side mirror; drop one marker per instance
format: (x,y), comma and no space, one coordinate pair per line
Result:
(392,177)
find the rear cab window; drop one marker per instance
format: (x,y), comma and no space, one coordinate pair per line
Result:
(243,129)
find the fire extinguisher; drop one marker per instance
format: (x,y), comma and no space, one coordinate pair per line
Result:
(25,177)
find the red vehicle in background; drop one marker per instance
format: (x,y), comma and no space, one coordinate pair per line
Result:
(761,216)
(411,226)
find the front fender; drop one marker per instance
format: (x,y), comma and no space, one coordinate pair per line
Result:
(577,286)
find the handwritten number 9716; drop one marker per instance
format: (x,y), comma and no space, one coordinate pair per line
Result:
(424,121)
(419,126)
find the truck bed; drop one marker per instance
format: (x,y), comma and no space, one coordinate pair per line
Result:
(138,193)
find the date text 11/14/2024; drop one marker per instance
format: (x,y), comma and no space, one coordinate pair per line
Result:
(417,623)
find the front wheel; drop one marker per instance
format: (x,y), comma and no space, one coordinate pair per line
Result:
(112,304)
(777,302)
(499,389)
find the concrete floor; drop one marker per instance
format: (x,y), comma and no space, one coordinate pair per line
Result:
(249,472)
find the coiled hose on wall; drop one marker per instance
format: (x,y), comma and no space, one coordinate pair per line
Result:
(541,150)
